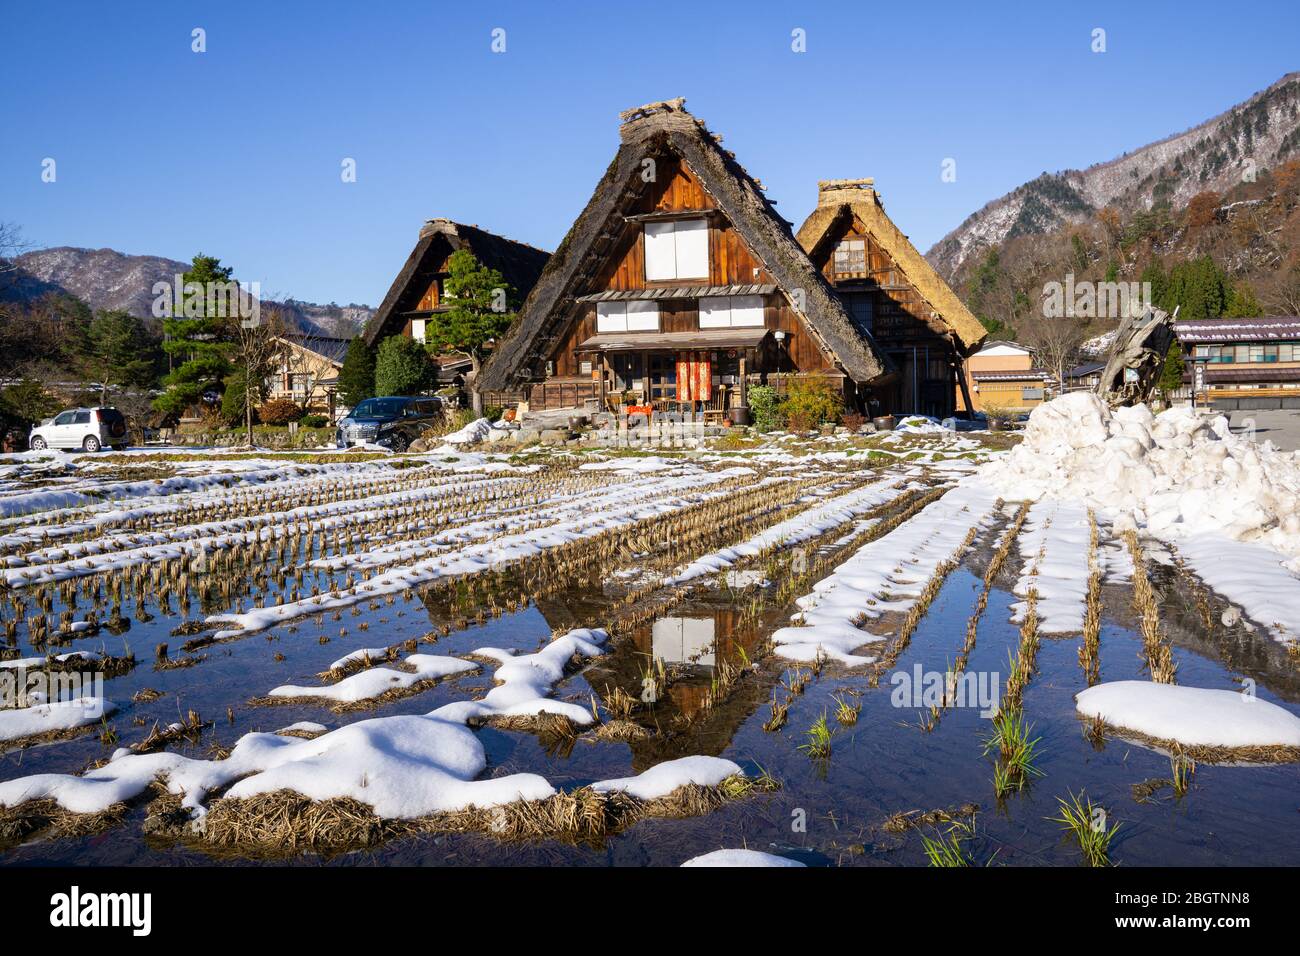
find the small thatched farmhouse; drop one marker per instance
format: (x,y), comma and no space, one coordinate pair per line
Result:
(894,295)
(416,296)
(679,286)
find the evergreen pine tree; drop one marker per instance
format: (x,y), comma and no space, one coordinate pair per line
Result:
(357,377)
(199,341)
(480,313)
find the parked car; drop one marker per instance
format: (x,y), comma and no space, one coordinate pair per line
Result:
(89,429)
(393,421)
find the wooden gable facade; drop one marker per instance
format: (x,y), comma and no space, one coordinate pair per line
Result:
(891,291)
(678,288)
(416,295)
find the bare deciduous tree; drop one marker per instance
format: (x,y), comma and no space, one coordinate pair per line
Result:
(256,355)
(1056,341)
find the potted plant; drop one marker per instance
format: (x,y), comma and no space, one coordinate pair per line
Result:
(998,417)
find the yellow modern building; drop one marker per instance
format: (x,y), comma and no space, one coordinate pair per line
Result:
(1002,375)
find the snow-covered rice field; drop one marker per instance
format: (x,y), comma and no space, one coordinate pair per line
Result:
(472,651)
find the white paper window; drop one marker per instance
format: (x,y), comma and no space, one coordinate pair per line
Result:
(643,316)
(678,249)
(417,329)
(747,311)
(660,251)
(692,249)
(627,316)
(715,313)
(731,311)
(611,317)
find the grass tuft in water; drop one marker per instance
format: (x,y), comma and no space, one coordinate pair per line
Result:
(818,746)
(1086,821)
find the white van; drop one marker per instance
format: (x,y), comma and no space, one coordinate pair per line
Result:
(89,429)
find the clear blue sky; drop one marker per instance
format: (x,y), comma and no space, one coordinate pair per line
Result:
(236,152)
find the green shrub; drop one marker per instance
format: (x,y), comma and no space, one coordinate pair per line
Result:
(810,402)
(314,421)
(765,408)
(279,411)
(402,367)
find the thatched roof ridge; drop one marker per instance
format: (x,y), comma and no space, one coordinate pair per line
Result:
(839,199)
(654,130)
(519,263)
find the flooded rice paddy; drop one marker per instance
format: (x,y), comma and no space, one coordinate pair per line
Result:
(268,577)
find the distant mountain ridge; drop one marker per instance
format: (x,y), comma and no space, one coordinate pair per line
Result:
(1263,130)
(108,279)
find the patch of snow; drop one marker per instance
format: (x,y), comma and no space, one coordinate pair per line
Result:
(471,434)
(43,718)
(662,779)
(376,681)
(525,681)
(731,858)
(1054,546)
(804,526)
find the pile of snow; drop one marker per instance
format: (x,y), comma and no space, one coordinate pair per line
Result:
(1192,716)
(740,858)
(1176,474)
(471,434)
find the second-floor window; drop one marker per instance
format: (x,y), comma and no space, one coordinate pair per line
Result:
(678,249)
(627,316)
(731,311)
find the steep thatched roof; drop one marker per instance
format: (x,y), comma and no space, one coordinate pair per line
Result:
(654,131)
(840,199)
(519,264)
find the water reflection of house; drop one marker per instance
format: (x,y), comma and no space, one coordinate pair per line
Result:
(684,640)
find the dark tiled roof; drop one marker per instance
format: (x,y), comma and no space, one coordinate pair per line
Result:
(335,350)
(676,292)
(1012,375)
(703,339)
(1257,372)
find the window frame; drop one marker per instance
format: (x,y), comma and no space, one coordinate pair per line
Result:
(608,315)
(850,255)
(655,236)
